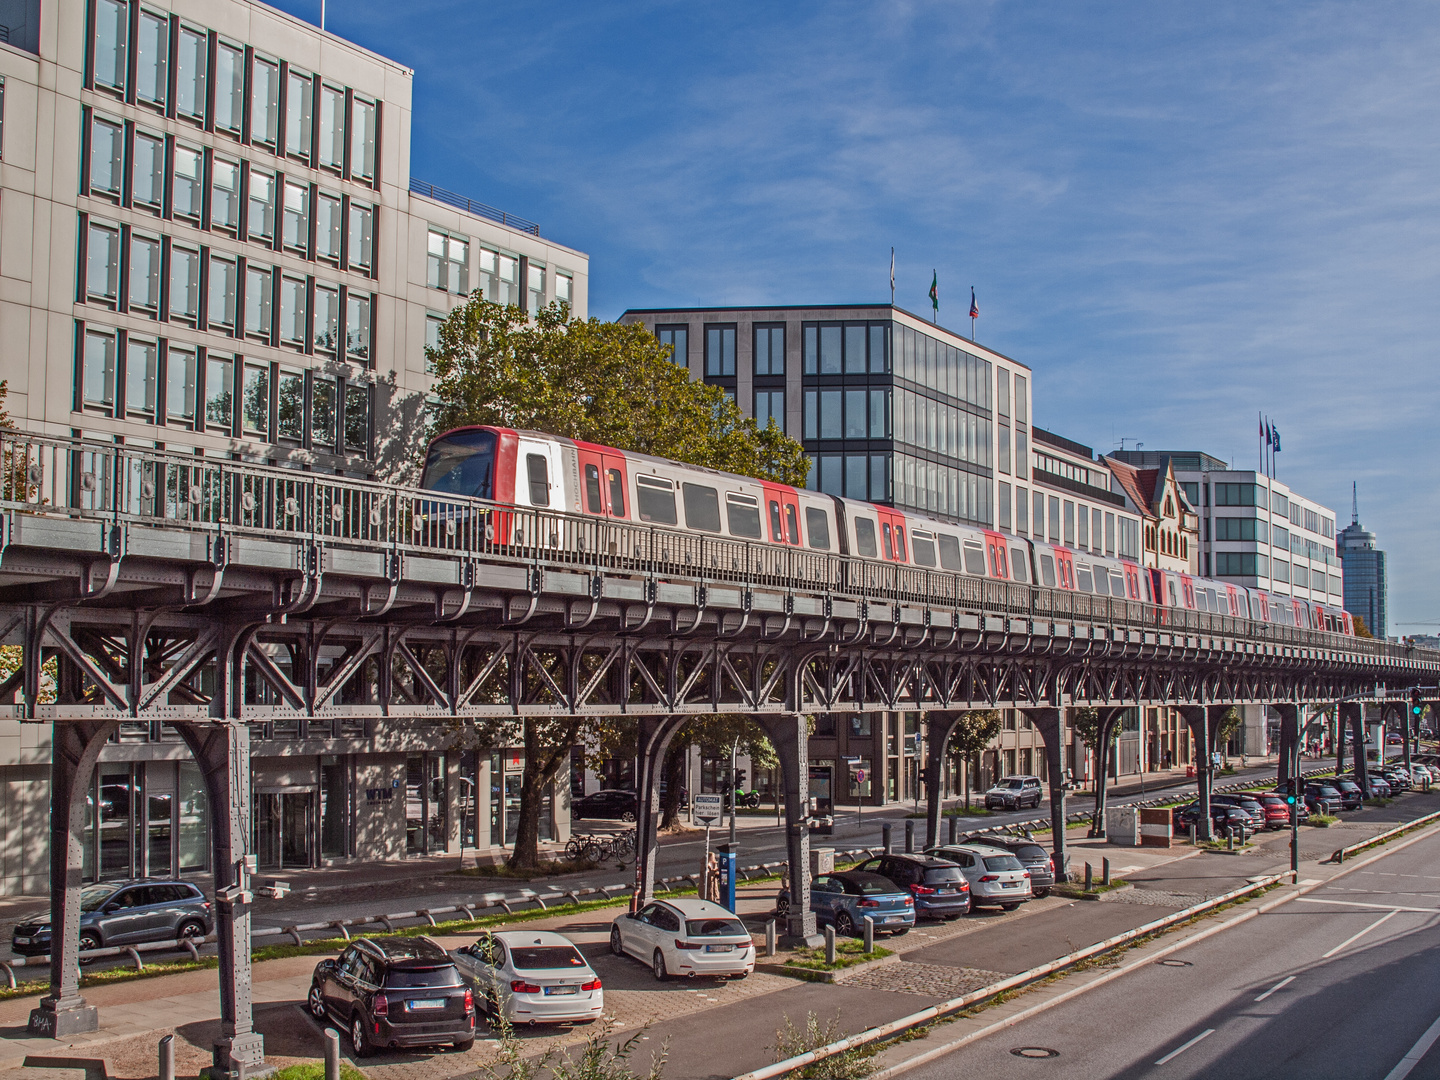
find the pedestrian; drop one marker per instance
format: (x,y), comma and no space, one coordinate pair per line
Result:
(712,879)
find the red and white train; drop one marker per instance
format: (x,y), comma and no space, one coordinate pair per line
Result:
(533,469)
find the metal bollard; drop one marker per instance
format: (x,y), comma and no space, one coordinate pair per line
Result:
(332,1054)
(1229,838)
(909,836)
(1105,872)
(869,934)
(1089,881)
(1192,833)
(770,937)
(885,836)
(167,1058)
(954,830)
(829,944)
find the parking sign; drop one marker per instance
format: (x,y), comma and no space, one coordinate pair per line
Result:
(708,808)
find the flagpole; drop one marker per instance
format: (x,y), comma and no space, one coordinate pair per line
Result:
(892,277)
(1260,442)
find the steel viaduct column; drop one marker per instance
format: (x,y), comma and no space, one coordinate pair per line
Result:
(1353,715)
(790,735)
(1051,725)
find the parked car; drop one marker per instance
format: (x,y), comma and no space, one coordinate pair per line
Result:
(997,877)
(607,803)
(532,977)
(1322,798)
(1032,856)
(1351,797)
(844,899)
(1379,786)
(1277,811)
(1014,793)
(1394,738)
(126,913)
(1397,777)
(1423,775)
(1222,817)
(394,992)
(939,888)
(685,937)
(1246,801)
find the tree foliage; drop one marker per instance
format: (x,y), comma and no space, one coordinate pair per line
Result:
(1361,630)
(1086,724)
(975,731)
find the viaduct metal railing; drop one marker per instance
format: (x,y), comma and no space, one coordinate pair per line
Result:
(139,487)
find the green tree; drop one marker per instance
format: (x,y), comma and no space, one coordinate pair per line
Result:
(975,731)
(603,383)
(1361,630)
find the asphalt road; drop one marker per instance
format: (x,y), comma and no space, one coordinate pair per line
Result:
(1341,983)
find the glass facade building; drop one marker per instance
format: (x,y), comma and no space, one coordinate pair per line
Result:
(1366,586)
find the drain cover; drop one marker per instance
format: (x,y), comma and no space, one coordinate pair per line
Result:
(1035,1052)
(1175,963)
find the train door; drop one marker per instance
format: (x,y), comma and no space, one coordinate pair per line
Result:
(782,514)
(995,547)
(1132,581)
(602,481)
(1065,567)
(1349,623)
(1187,590)
(892,536)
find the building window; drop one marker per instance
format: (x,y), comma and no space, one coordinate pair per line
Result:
(222,288)
(290,405)
(535,286)
(433,323)
(112,32)
(824,414)
(322,412)
(1231,528)
(295,219)
(147,171)
(327,228)
(1237,495)
(362,139)
(229,87)
(678,338)
(184,283)
(357,327)
(187,194)
(292,311)
(770,405)
(107,149)
(298,103)
(1241,564)
(720,350)
(140,378)
(770,350)
(180,384)
(565,289)
(1022,511)
(102,257)
(264,102)
(448,262)
(259,295)
(327,319)
(152,55)
(144,273)
(332,128)
(357,417)
(219,393)
(192,61)
(360,251)
(499,277)
(1004,508)
(97,379)
(224,194)
(255,399)
(260,221)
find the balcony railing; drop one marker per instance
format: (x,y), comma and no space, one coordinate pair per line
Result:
(470,206)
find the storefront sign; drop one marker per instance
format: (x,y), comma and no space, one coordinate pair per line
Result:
(514,761)
(382,794)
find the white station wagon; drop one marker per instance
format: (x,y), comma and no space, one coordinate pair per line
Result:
(535,976)
(685,937)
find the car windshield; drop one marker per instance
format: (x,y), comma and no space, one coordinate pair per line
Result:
(531,957)
(713,927)
(92,897)
(1002,862)
(940,874)
(422,978)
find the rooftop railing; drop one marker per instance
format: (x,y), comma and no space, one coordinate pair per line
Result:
(471,206)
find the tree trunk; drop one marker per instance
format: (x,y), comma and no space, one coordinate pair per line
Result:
(674,774)
(542,764)
(972,773)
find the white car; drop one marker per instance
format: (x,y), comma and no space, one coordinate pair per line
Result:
(685,937)
(536,977)
(996,876)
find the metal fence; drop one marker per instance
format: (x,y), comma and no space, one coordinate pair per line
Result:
(471,206)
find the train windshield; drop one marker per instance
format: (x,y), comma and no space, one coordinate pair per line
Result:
(462,463)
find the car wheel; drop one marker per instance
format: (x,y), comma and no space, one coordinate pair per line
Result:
(1009,907)
(316,1002)
(627,815)
(657,965)
(193,928)
(782,906)
(1040,894)
(359,1044)
(89,940)
(464,1044)
(952,918)
(844,924)
(617,946)
(902,931)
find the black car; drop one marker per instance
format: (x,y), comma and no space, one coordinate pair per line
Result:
(1322,798)
(939,888)
(126,913)
(394,992)
(1222,817)
(1351,797)
(1245,801)
(1031,855)
(1398,779)
(608,803)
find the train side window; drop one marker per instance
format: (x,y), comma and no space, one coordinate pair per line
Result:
(776,530)
(792,524)
(655,497)
(818,526)
(1047,570)
(743,512)
(889,541)
(922,545)
(592,490)
(1117,585)
(900,542)
(617,492)
(865,541)
(949,552)
(1082,577)
(538,473)
(702,507)
(1017,565)
(1174,602)
(974,559)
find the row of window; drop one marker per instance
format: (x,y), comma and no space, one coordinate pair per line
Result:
(853,348)
(153,59)
(143,170)
(155,276)
(447,267)
(1257,495)
(1069,470)
(1075,525)
(122,374)
(942,429)
(853,476)
(942,490)
(1002,397)
(941,368)
(846,414)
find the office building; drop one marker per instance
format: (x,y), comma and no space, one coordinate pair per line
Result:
(1366,584)
(210,242)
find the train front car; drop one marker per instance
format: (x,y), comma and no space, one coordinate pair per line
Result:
(470,463)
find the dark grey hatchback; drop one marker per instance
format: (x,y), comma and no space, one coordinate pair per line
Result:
(126,913)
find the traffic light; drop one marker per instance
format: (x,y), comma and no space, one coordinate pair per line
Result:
(1417,709)
(1290,792)
(740,778)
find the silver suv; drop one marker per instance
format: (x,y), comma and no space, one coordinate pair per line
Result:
(1014,793)
(126,913)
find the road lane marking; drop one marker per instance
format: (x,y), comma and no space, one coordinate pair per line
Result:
(1356,937)
(1181,1049)
(1357,903)
(1418,1051)
(1283,982)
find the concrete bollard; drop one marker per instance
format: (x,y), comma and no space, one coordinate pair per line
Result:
(332,1054)
(869,934)
(954,830)
(1229,838)
(1089,881)
(1192,834)
(167,1058)
(829,944)
(1105,872)
(885,836)
(770,937)
(909,836)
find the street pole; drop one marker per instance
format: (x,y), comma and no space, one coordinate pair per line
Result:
(1295,817)
(734,793)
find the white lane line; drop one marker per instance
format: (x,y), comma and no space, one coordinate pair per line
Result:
(1181,1049)
(1357,903)
(1418,1051)
(1356,937)
(1283,982)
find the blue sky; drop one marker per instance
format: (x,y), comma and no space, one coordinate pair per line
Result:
(1178,215)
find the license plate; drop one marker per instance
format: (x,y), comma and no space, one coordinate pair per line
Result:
(427,1003)
(719,948)
(552,990)
(944,892)
(894,918)
(1009,884)
(22,941)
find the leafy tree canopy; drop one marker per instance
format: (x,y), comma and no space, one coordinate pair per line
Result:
(1361,630)
(599,382)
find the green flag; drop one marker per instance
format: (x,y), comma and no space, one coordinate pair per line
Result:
(935,291)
